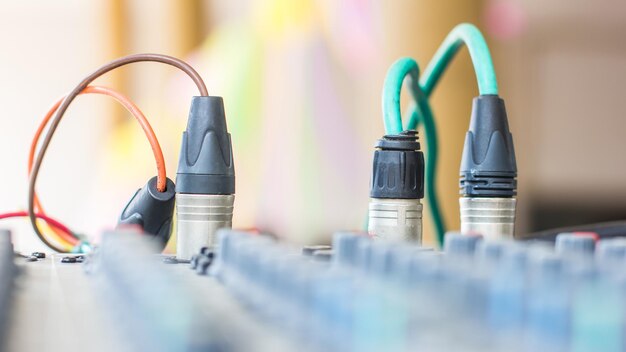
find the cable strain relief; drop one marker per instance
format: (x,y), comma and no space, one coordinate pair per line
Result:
(151,210)
(488,165)
(406,140)
(206,157)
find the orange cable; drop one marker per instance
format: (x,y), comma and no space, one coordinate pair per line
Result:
(135,111)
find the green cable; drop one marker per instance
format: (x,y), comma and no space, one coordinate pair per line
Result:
(431,157)
(392,116)
(421,112)
(469,35)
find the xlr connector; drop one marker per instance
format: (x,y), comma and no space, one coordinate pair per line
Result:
(397,187)
(205,181)
(488,172)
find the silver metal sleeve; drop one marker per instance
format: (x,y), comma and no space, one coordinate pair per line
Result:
(198,217)
(395,219)
(490,217)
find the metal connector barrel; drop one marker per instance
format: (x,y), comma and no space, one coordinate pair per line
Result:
(395,219)
(199,216)
(490,217)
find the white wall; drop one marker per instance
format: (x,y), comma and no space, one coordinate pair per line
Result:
(45,48)
(564,83)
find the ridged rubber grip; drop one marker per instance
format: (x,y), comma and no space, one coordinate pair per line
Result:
(206,156)
(488,165)
(398,168)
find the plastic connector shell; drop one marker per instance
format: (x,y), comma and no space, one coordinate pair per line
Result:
(488,165)
(206,157)
(398,169)
(151,210)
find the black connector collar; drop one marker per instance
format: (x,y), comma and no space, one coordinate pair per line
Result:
(398,170)
(488,166)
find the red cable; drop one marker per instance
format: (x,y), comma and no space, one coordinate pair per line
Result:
(52,222)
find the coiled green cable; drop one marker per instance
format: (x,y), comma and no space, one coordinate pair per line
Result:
(392,116)
(420,111)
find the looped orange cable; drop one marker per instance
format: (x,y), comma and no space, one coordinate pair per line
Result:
(65,236)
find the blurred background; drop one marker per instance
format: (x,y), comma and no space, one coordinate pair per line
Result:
(302,81)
